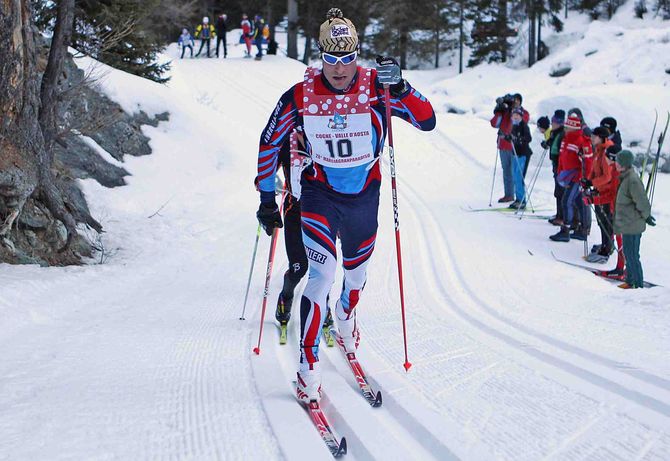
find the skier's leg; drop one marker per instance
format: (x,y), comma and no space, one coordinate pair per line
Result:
(358,236)
(320,224)
(519,188)
(506,163)
(218,45)
(225,47)
(202,45)
(297,258)
(183,49)
(628,251)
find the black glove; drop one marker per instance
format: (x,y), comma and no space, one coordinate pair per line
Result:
(269,217)
(507,137)
(544,145)
(586,183)
(651,221)
(388,71)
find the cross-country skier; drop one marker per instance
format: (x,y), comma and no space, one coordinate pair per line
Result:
(574,163)
(185,41)
(632,213)
(554,144)
(247,32)
(204,32)
(604,179)
(340,109)
(502,120)
(521,138)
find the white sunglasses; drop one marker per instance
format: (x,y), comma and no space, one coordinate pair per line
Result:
(333,59)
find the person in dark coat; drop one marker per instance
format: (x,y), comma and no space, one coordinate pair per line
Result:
(521,138)
(221,30)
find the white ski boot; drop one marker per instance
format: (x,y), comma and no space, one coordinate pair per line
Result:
(348,329)
(309,384)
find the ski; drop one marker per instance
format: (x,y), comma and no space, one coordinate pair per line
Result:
(651,140)
(327,336)
(372,397)
(283,333)
(504,210)
(318,418)
(654,165)
(599,272)
(476,210)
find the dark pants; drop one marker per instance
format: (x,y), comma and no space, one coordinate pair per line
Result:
(259,45)
(183,49)
(221,38)
(572,202)
(631,249)
(558,194)
(295,250)
(604,218)
(202,44)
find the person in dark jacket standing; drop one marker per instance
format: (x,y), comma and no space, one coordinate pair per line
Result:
(554,145)
(221,30)
(632,214)
(259,25)
(615,136)
(521,138)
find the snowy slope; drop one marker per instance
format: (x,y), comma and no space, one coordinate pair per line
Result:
(515,356)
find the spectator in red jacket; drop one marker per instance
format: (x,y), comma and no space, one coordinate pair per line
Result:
(574,163)
(604,181)
(502,120)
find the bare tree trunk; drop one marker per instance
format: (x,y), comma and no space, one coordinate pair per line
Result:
(29,126)
(292,33)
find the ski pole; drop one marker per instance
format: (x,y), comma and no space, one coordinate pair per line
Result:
(394,189)
(534,180)
(493,183)
(525,188)
(268,275)
(251,271)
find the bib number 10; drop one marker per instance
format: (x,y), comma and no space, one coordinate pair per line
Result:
(342,146)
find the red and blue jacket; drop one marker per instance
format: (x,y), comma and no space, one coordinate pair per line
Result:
(411,106)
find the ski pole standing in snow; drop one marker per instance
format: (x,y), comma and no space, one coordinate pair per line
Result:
(390,75)
(251,271)
(533,180)
(493,182)
(340,108)
(267,217)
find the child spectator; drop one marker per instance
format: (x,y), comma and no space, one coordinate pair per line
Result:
(185,41)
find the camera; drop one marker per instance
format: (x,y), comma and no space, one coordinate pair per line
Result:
(505,103)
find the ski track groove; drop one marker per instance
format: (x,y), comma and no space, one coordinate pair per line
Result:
(447,255)
(465,291)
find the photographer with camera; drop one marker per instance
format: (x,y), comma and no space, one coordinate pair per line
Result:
(502,120)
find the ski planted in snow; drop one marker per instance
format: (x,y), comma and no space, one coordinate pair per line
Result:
(651,140)
(327,335)
(318,418)
(372,397)
(599,272)
(283,333)
(502,208)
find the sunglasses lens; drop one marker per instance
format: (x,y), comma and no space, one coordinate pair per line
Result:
(329,58)
(348,59)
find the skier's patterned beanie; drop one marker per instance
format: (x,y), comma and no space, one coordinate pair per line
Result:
(337,34)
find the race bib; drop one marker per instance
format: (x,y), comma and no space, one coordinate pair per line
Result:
(339,127)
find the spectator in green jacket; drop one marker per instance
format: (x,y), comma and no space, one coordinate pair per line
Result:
(632,214)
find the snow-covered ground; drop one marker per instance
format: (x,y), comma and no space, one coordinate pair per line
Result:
(515,356)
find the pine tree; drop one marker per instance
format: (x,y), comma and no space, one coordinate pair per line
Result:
(119,33)
(490,31)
